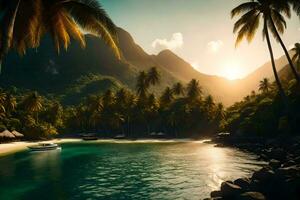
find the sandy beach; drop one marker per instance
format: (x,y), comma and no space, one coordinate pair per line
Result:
(19,146)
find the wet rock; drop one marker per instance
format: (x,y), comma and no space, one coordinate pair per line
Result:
(263,175)
(289,163)
(289,171)
(230,190)
(274,163)
(244,183)
(251,196)
(216,194)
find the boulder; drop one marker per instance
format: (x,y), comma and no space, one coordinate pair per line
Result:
(274,163)
(265,174)
(288,163)
(244,183)
(216,194)
(230,190)
(251,196)
(289,171)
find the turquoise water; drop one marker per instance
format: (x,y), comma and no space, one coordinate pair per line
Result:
(135,170)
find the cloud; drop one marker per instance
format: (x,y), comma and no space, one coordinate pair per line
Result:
(175,42)
(215,46)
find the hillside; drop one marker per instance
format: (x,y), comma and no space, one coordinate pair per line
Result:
(45,71)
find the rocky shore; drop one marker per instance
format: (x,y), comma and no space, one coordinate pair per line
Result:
(279,180)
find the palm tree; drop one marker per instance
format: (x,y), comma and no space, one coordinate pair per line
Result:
(178,89)
(264,85)
(10,104)
(220,112)
(142,85)
(33,104)
(166,98)
(248,25)
(194,91)
(25,22)
(153,76)
(296,57)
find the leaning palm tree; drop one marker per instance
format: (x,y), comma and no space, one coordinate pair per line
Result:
(296,57)
(264,85)
(248,24)
(25,22)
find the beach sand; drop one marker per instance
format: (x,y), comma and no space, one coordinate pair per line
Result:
(19,146)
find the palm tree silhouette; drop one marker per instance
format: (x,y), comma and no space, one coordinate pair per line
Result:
(296,57)
(25,22)
(248,24)
(178,89)
(142,85)
(264,85)
(33,104)
(167,97)
(194,91)
(153,76)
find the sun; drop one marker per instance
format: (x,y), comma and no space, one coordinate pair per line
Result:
(232,70)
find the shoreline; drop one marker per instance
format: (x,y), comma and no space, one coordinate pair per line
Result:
(13,147)
(279,179)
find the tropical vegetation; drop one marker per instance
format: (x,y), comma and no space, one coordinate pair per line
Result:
(180,111)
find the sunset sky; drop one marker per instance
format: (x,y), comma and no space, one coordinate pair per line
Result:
(199,31)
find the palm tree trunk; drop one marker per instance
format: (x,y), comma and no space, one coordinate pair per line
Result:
(292,66)
(281,91)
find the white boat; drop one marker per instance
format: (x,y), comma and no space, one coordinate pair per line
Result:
(44,147)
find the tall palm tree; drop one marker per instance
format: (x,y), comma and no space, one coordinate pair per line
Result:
(178,89)
(153,76)
(296,57)
(33,104)
(264,85)
(142,85)
(167,97)
(25,22)
(194,90)
(248,24)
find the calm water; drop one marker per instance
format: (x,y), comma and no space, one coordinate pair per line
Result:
(102,170)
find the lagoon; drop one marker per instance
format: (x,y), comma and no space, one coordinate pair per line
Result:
(123,170)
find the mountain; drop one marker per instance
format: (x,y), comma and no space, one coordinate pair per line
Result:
(77,72)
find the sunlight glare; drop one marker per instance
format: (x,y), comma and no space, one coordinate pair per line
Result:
(232,70)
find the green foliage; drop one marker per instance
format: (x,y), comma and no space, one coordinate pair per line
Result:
(265,114)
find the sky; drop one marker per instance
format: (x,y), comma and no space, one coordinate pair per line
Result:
(199,31)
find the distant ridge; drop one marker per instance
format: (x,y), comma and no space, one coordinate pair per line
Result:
(45,71)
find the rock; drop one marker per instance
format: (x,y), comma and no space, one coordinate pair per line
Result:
(278,154)
(244,183)
(216,194)
(289,163)
(289,171)
(251,196)
(230,190)
(274,163)
(265,174)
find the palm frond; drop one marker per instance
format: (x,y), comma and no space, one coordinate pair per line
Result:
(244,19)
(92,18)
(245,7)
